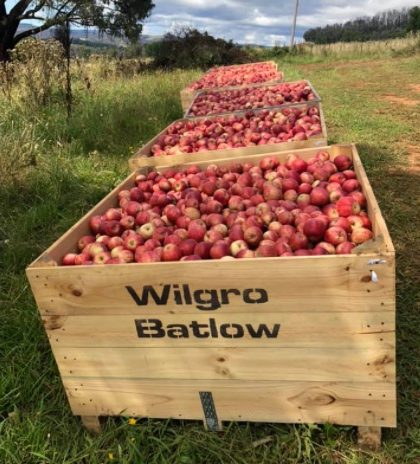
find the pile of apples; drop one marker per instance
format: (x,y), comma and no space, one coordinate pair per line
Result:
(245,210)
(255,127)
(225,101)
(231,76)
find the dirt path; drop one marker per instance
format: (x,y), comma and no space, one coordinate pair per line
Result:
(413,158)
(401,100)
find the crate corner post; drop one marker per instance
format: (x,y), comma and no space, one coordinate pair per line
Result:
(369,437)
(92,424)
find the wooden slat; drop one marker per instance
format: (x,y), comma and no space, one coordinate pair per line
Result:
(315,364)
(297,330)
(296,284)
(312,402)
(378,222)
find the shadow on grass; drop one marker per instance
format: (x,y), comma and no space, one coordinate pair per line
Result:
(396,189)
(42,205)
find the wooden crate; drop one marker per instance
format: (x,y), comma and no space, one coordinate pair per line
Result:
(328,353)
(143,158)
(187,95)
(285,105)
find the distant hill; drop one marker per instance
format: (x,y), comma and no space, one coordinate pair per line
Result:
(91,36)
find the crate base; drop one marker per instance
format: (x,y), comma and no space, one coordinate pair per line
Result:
(367,437)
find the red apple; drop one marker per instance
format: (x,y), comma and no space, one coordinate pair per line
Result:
(345,248)
(237,246)
(314,229)
(84,241)
(171,252)
(360,235)
(69,259)
(347,206)
(219,249)
(343,162)
(335,235)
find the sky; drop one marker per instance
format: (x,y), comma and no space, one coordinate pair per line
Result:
(265,22)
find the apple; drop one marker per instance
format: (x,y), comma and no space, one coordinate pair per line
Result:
(237,246)
(343,162)
(345,248)
(69,259)
(84,241)
(102,257)
(133,241)
(298,241)
(219,249)
(319,196)
(266,249)
(197,230)
(360,235)
(314,229)
(335,235)
(347,206)
(171,252)
(253,235)
(95,224)
(146,230)
(202,249)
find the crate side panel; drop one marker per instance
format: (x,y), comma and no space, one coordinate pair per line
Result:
(342,403)
(338,330)
(299,284)
(315,364)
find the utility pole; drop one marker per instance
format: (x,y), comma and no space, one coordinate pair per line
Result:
(292,39)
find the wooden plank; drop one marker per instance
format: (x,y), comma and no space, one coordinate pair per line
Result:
(351,403)
(296,330)
(315,364)
(295,284)
(143,157)
(378,222)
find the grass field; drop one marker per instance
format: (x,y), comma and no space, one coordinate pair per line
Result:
(52,172)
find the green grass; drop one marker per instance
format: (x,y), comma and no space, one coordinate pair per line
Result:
(52,172)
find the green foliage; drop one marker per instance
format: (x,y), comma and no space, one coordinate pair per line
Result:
(387,25)
(36,73)
(190,48)
(116,17)
(414,20)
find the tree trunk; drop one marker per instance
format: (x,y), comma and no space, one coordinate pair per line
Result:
(4,55)
(7,32)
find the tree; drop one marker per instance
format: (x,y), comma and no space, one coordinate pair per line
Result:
(414,19)
(116,17)
(190,48)
(386,25)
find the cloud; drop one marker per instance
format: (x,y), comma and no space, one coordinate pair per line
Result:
(268,22)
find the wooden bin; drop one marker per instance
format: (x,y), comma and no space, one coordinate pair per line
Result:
(143,158)
(187,95)
(315,93)
(289,340)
